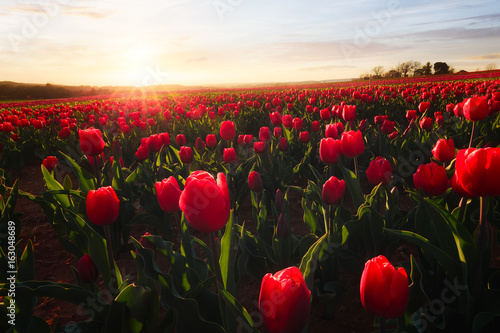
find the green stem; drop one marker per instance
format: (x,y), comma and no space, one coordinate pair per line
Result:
(472,133)
(480,244)
(109,245)
(215,255)
(356,166)
(461,212)
(97,174)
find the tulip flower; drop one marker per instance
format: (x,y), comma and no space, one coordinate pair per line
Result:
(91,141)
(180,139)
(248,139)
(255,182)
(154,143)
(275,118)
(205,201)
(426,123)
(186,154)
(211,140)
(87,269)
(259,147)
(229,155)
(333,191)
(168,193)
(199,145)
(227,130)
(50,163)
(475,108)
(287,121)
(384,289)
(283,144)
(324,114)
(477,171)
(103,206)
(424,106)
(264,134)
(411,115)
(329,150)
(379,171)
(388,127)
(444,150)
(349,112)
(297,124)
(352,143)
(331,131)
(282,227)
(315,126)
(304,137)
(431,178)
(284,301)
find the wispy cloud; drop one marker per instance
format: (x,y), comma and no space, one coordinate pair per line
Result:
(485,57)
(324,68)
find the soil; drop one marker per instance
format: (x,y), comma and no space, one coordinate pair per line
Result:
(53,263)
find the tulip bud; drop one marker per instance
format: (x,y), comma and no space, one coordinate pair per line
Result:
(282,227)
(50,163)
(333,191)
(87,270)
(279,201)
(229,155)
(255,182)
(186,154)
(91,141)
(168,193)
(227,130)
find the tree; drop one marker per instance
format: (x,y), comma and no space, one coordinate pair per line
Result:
(427,69)
(441,68)
(418,72)
(393,73)
(407,67)
(378,71)
(490,67)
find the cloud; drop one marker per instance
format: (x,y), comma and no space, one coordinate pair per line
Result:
(56,9)
(324,68)
(86,12)
(485,57)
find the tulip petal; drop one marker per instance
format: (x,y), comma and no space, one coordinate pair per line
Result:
(399,294)
(374,291)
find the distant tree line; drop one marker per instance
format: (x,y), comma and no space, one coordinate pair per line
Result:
(414,68)
(19,91)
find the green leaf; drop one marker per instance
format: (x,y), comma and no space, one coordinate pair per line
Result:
(310,260)
(243,318)
(86,180)
(26,269)
(227,256)
(53,184)
(353,185)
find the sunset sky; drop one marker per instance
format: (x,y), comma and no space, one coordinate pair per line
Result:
(193,42)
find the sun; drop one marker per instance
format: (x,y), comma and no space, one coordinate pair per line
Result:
(138,62)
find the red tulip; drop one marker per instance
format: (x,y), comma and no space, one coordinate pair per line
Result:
(205,202)
(284,301)
(331,131)
(349,112)
(186,154)
(211,140)
(180,139)
(264,134)
(384,289)
(362,125)
(287,121)
(199,145)
(426,123)
(478,171)
(304,137)
(431,178)
(248,139)
(393,135)
(277,132)
(229,155)
(87,270)
(424,106)
(154,143)
(275,118)
(142,153)
(379,171)
(298,123)
(103,206)
(411,115)
(475,108)
(324,114)
(255,182)
(50,163)
(227,130)
(315,126)
(458,110)
(444,150)
(165,138)
(352,143)
(329,150)
(333,191)
(388,127)
(168,193)
(283,144)
(91,141)
(259,147)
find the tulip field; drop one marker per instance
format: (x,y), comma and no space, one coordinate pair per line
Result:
(382,193)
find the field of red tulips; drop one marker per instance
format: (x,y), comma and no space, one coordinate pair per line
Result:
(348,207)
